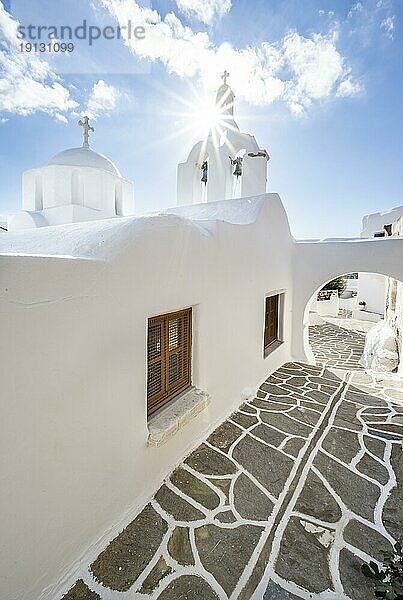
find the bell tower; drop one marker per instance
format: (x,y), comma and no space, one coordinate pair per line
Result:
(226,164)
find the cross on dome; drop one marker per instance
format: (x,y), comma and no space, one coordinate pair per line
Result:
(85,124)
(225,76)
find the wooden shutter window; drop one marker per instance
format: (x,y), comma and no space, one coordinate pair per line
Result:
(271,320)
(169,349)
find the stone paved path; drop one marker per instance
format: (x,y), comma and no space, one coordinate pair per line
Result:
(285,500)
(337,347)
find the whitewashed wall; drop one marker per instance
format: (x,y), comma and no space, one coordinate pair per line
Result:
(348,303)
(221,182)
(375,222)
(59,194)
(326,308)
(315,263)
(372,290)
(372,287)
(398,324)
(394,303)
(74,427)
(73,434)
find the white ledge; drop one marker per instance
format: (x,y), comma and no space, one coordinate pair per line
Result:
(167,422)
(271,347)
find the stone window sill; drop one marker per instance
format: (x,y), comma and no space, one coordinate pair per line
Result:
(273,346)
(167,422)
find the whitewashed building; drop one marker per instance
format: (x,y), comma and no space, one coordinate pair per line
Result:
(372,287)
(76,185)
(132,338)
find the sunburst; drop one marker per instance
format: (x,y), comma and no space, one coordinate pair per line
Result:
(198,115)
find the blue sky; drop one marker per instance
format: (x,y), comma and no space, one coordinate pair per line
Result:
(319,83)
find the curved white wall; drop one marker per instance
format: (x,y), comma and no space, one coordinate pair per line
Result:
(72,364)
(73,437)
(316,263)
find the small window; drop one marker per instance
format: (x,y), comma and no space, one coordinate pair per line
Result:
(271,326)
(169,349)
(379,234)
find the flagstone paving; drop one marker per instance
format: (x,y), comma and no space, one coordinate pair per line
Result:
(285,500)
(337,347)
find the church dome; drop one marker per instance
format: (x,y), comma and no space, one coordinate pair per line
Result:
(84,157)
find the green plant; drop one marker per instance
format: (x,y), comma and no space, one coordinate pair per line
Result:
(388,581)
(338,284)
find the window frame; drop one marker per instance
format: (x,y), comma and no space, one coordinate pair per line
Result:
(273,344)
(169,392)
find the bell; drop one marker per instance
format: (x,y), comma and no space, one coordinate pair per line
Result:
(238,169)
(204,169)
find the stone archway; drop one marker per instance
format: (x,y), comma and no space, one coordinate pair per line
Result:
(316,263)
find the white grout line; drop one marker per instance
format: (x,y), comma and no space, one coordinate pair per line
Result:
(210,515)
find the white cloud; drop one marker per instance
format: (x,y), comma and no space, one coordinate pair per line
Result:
(61,118)
(204,10)
(356,8)
(348,87)
(388,25)
(316,65)
(368,18)
(27,83)
(103,98)
(297,70)
(325,13)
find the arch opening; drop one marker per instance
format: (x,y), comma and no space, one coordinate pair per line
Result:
(355,322)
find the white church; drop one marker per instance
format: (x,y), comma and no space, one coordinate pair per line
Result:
(133,337)
(77,184)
